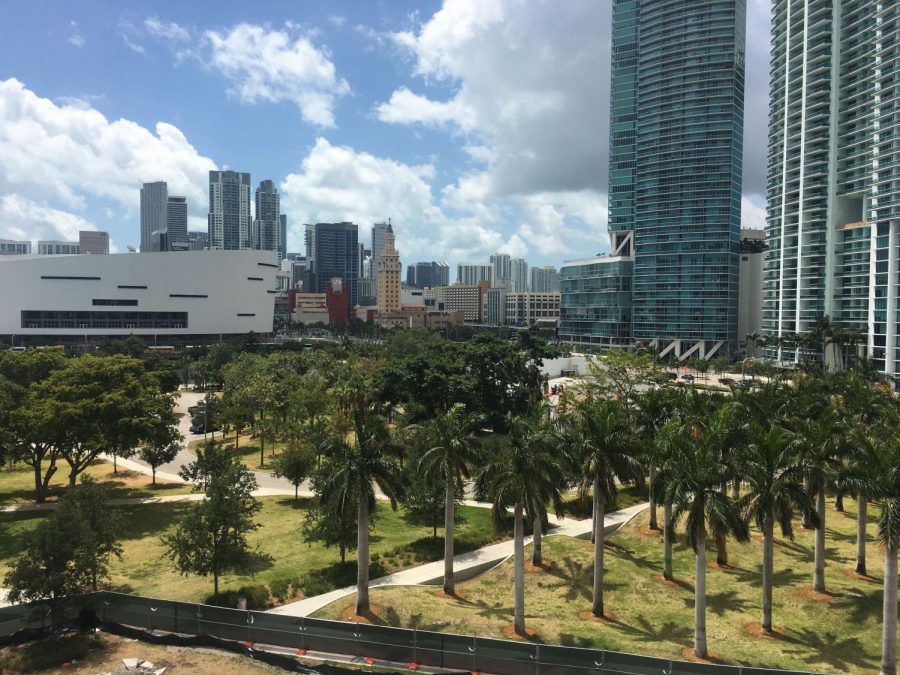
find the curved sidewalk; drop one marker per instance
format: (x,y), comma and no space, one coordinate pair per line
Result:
(465,566)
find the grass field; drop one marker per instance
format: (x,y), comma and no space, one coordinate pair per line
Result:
(17,483)
(395,544)
(839,634)
(248,450)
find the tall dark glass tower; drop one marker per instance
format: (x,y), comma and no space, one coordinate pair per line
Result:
(332,251)
(676,148)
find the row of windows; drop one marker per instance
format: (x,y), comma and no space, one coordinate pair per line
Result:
(100,319)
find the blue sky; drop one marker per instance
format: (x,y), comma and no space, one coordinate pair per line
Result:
(476,126)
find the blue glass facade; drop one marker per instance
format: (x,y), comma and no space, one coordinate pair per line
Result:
(595,302)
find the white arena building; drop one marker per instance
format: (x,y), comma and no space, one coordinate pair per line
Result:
(206,294)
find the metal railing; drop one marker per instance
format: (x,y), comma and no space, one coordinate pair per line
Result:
(400,645)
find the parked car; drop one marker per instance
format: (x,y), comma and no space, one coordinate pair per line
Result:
(671,376)
(727,380)
(687,378)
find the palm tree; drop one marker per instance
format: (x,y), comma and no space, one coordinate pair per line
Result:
(775,490)
(454,448)
(819,445)
(667,448)
(370,460)
(525,474)
(601,449)
(652,410)
(692,482)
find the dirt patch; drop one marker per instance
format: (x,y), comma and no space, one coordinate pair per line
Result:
(375,615)
(688,655)
(608,617)
(456,595)
(545,566)
(862,577)
(754,630)
(510,633)
(807,593)
(651,532)
(674,583)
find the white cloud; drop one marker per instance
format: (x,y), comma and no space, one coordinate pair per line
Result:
(66,157)
(263,64)
(22,218)
(753,212)
(405,107)
(337,20)
(76,40)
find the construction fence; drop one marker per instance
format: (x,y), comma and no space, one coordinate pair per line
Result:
(465,653)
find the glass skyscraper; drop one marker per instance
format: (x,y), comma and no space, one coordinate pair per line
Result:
(834,173)
(676,149)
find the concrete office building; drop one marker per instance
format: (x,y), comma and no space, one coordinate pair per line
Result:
(544,279)
(471,274)
(198,241)
(93,242)
(833,220)
(428,274)
(750,304)
(494,311)
(676,149)
(518,275)
(527,309)
(465,298)
(56,247)
(332,253)
(229,210)
(265,233)
(154,212)
(159,297)
(13,247)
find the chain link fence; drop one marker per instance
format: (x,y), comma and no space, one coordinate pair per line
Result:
(400,645)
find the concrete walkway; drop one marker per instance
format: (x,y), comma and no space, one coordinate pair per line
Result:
(465,566)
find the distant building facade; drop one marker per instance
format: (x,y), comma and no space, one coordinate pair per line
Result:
(544,279)
(518,275)
(176,224)
(198,241)
(474,273)
(229,210)
(333,252)
(93,242)
(526,309)
(13,247)
(265,233)
(55,247)
(154,212)
(389,268)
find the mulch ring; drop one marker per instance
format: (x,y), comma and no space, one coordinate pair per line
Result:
(545,566)
(688,655)
(862,577)
(807,593)
(754,630)
(674,583)
(510,633)
(651,532)
(608,617)
(375,615)
(456,595)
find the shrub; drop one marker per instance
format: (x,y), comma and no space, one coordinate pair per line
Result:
(257,597)
(280,589)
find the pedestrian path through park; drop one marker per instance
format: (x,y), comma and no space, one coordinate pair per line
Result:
(465,566)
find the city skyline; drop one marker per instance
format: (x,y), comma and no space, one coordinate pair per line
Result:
(394,105)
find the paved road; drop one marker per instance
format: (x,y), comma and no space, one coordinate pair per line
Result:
(465,566)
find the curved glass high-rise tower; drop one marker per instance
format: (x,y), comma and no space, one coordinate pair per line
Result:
(834,173)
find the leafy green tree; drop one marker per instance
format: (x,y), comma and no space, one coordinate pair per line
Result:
(161,448)
(211,537)
(526,474)
(355,469)
(692,482)
(775,492)
(99,541)
(333,523)
(454,449)
(294,464)
(602,450)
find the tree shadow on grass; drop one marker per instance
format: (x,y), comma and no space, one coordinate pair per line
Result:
(299,504)
(576,578)
(842,654)
(143,521)
(670,631)
(725,601)
(860,604)
(632,557)
(494,611)
(786,576)
(569,640)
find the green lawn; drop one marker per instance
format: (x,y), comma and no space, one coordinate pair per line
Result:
(17,482)
(396,544)
(840,635)
(248,450)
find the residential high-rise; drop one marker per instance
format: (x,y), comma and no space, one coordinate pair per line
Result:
(544,279)
(266,227)
(411,276)
(428,274)
(833,219)
(331,253)
(471,274)
(176,224)
(518,275)
(389,269)
(93,242)
(501,266)
(229,210)
(154,212)
(494,312)
(676,149)
(378,230)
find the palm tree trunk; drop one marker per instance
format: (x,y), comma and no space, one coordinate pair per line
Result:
(767,575)
(819,579)
(736,489)
(700,596)
(154,475)
(889,613)
(862,516)
(667,541)
(839,502)
(537,531)
(721,550)
(449,505)
(652,524)
(597,609)
(519,563)
(362,557)
(806,523)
